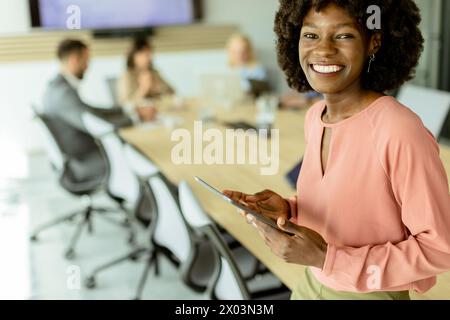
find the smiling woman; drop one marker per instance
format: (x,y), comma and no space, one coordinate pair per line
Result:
(395,60)
(371,216)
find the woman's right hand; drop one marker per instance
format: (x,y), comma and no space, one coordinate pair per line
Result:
(266,202)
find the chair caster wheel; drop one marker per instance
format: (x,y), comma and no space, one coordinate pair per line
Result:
(34,238)
(90,283)
(70,254)
(134,257)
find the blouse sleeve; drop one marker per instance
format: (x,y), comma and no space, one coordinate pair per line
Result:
(411,161)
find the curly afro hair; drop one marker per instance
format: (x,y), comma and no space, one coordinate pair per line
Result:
(401,40)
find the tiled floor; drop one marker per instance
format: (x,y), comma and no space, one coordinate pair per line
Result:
(39,271)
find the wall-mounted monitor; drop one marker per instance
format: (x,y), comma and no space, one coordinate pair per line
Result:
(112,14)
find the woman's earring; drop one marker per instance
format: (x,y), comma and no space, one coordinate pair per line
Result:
(372,59)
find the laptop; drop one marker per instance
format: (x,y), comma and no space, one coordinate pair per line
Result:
(221,87)
(259,87)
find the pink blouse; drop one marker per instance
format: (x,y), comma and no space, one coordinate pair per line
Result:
(383,204)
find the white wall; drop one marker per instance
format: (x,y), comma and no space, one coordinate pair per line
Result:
(14,16)
(23,84)
(254,18)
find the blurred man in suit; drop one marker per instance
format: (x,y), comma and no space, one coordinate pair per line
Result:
(64,108)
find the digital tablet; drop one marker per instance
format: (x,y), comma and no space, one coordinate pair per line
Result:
(257,215)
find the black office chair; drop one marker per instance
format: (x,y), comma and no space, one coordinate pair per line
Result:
(66,167)
(229,280)
(167,232)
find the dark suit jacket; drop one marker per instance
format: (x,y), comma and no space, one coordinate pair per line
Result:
(64,107)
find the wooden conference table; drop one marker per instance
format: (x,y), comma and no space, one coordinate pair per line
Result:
(157,145)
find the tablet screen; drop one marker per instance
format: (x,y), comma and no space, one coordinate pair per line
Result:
(257,215)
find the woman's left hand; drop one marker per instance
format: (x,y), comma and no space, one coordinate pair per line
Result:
(306,247)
